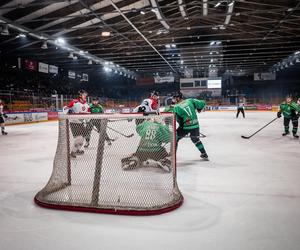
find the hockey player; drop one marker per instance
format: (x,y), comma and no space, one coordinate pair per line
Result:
(170,108)
(95,108)
(150,151)
(240,108)
(149,104)
(290,111)
(78,106)
(2,118)
(186,116)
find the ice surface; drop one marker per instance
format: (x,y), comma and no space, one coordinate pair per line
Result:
(246,197)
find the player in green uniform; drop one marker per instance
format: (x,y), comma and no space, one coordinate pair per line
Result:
(95,108)
(186,116)
(154,136)
(170,109)
(290,111)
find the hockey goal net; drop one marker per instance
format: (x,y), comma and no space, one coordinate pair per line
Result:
(120,163)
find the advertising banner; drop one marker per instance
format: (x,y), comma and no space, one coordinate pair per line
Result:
(71,74)
(52,116)
(30,65)
(252,107)
(266,76)
(227,108)
(39,117)
(164,79)
(85,77)
(43,67)
(53,69)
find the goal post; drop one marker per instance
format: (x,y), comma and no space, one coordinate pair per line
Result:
(128,165)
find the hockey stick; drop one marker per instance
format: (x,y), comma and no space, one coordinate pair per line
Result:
(127,136)
(109,139)
(248,137)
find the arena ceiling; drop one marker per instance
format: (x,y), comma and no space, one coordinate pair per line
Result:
(154,36)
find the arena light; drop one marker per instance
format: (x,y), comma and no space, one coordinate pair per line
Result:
(105,33)
(297,52)
(60,41)
(142,12)
(205,8)
(107,69)
(230,4)
(90,62)
(21,35)
(218,4)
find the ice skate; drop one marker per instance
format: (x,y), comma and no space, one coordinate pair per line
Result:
(165,164)
(4,133)
(204,157)
(296,136)
(285,133)
(73,155)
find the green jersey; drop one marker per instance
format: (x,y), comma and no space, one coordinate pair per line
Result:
(152,134)
(169,108)
(185,112)
(289,110)
(96,108)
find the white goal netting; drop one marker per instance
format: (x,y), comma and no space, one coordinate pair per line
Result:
(114,164)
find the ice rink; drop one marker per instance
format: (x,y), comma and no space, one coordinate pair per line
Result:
(246,197)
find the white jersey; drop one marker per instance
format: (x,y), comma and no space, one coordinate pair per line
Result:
(78,107)
(241,105)
(148,105)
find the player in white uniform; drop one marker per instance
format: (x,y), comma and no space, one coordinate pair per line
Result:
(78,106)
(2,118)
(240,108)
(149,104)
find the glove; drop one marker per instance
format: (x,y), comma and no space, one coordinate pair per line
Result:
(278,114)
(141,109)
(199,110)
(70,111)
